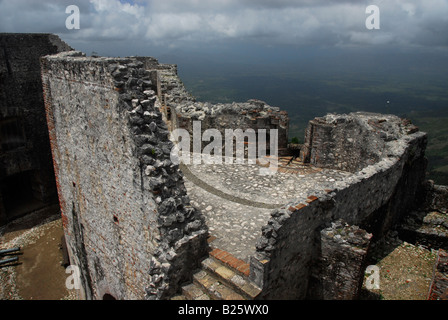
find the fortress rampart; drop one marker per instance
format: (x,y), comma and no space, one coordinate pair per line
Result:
(138,227)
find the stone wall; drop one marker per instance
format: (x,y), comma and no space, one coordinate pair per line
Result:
(350,142)
(127,219)
(427,224)
(253,114)
(26,173)
(375,198)
(438,289)
(339,273)
(437,199)
(174,92)
(182,109)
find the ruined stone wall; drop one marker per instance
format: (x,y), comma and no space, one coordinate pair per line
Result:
(24,148)
(126,215)
(374,198)
(339,272)
(427,224)
(350,143)
(438,289)
(174,92)
(253,114)
(152,66)
(182,109)
(437,198)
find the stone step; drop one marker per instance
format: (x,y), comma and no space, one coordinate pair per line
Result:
(221,277)
(231,278)
(214,287)
(194,292)
(227,259)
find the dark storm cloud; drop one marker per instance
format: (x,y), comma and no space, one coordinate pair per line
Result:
(287,22)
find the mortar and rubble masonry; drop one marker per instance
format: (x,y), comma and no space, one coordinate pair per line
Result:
(142,227)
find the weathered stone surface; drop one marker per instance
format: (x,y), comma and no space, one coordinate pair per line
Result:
(127,219)
(427,224)
(375,197)
(352,142)
(439,284)
(437,198)
(181,110)
(338,275)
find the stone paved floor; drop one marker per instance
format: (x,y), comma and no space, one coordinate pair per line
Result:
(237,201)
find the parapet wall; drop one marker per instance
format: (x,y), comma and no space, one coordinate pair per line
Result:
(126,215)
(351,142)
(374,198)
(181,110)
(253,114)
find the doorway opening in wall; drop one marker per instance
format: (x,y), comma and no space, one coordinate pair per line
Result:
(18,195)
(108,296)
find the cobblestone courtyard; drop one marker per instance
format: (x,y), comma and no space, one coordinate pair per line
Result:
(237,200)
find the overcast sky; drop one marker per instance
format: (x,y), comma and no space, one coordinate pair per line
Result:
(133,26)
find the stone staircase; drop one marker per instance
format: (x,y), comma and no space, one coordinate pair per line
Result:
(221,277)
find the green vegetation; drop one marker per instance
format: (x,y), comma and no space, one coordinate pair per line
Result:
(295,140)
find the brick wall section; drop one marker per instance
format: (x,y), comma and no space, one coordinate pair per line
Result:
(374,198)
(229,260)
(48,102)
(438,289)
(127,219)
